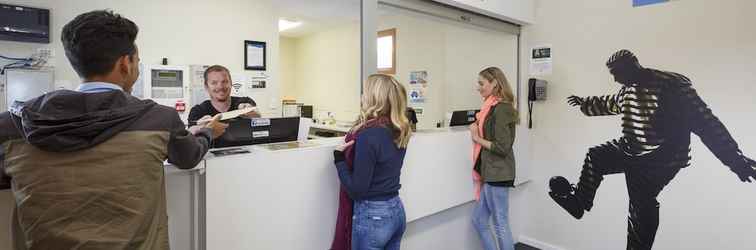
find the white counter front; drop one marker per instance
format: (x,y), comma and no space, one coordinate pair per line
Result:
(288,199)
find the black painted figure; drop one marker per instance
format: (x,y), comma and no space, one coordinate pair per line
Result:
(659,111)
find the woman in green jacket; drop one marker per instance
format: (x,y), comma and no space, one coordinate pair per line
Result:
(493,134)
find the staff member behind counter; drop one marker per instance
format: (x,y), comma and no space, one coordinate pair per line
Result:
(218,87)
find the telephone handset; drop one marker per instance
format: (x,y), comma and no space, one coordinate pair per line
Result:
(536,92)
(536,89)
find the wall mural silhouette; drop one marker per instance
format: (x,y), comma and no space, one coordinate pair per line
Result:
(659,111)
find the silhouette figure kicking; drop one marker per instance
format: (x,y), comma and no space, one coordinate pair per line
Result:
(659,111)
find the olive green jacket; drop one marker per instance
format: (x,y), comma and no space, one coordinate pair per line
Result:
(498,163)
(86,169)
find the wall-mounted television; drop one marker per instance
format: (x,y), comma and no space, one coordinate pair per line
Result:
(24,24)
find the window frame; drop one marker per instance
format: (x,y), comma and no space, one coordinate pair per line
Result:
(385,33)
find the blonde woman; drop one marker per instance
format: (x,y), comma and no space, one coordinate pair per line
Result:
(369,165)
(493,134)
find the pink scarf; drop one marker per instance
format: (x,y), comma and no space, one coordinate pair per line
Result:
(481,116)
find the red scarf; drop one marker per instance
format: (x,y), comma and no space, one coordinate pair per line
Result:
(481,116)
(342,239)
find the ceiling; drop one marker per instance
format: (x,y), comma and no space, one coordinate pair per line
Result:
(316,15)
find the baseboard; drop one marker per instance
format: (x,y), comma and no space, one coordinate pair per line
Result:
(539,244)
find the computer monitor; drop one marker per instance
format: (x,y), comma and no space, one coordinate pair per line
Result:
(243,131)
(463,117)
(238,133)
(275,130)
(306,111)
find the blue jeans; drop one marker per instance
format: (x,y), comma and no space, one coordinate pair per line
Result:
(378,225)
(493,206)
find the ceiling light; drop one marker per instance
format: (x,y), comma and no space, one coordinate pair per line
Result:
(284,24)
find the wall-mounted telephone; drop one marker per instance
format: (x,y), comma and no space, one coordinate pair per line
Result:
(536,92)
(536,89)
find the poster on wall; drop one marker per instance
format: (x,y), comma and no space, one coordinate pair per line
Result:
(419,78)
(416,96)
(541,61)
(257,82)
(418,86)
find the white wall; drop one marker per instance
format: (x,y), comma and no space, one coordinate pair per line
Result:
(421,46)
(288,70)
(516,11)
(325,70)
(705,206)
(468,51)
(452,54)
(185,32)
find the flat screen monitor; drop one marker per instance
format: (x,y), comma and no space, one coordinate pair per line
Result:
(24,24)
(242,131)
(463,117)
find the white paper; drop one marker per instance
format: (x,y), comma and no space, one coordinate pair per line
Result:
(238,83)
(255,56)
(260,134)
(236,113)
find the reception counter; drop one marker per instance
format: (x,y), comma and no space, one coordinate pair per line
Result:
(285,196)
(279,197)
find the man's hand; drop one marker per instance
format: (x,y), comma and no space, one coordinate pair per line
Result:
(200,124)
(575,101)
(253,114)
(195,129)
(745,171)
(218,127)
(204,120)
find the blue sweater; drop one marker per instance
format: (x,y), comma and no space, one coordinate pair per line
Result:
(377,166)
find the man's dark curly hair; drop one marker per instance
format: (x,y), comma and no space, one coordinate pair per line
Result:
(94,41)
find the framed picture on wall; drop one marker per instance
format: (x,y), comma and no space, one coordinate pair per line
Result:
(254,55)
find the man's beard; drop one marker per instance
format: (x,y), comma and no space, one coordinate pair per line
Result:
(223,98)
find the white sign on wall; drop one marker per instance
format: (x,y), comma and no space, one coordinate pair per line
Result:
(541,61)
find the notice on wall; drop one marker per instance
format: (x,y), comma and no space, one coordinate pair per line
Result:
(419,78)
(418,87)
(541,61)
(238,82)
(258,81)
(255,55)
(416,96)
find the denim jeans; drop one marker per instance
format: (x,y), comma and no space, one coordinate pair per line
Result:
(378,225)
(493,206)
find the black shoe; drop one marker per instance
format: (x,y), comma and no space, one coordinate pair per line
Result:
(564,194)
